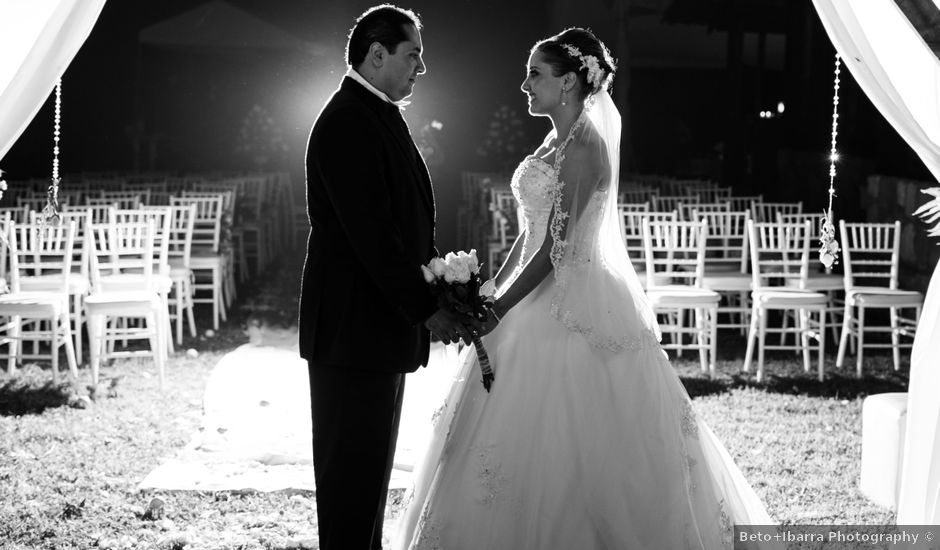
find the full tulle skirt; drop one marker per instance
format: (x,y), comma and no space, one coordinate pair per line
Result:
(574,447)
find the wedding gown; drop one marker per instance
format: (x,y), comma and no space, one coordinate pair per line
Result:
(576,446)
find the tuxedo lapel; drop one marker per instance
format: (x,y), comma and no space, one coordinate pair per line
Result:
(390,115)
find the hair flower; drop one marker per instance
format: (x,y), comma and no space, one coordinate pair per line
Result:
(595,74)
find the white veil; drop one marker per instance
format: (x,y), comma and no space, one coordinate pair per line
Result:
(597,291)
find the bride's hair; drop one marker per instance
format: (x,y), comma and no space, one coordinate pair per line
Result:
(560,59)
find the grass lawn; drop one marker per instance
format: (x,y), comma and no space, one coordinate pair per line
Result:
(69,465)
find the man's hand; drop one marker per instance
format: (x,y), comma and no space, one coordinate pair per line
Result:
(449,327)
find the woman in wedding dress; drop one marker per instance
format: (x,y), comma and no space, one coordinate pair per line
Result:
(588,439)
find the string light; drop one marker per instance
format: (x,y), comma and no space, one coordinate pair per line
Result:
(829,247)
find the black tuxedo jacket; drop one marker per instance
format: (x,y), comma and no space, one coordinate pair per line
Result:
(363,299)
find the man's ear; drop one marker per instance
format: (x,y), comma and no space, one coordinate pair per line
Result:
(377,53)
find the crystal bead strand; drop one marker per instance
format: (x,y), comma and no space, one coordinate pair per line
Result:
(829,247)
(51,210)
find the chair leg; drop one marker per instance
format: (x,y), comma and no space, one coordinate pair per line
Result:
(14,336)
(751,338)
(804,337)
(761,337)
(701,338)
(66,324)
(712,341)
(95,344)
(861,342)
(157,345)
(77,336)
(822,343)
(54,344)
(189,306)
(895,339)
(844,338)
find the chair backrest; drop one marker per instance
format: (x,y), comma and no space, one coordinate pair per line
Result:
(870,253)
(631,227)
(127,198)
(740,202)
(97,209)
(180,237)
(227,192)
(766,212)
(33,201)
(813,218)
(685,209)
(727,242)
(40,249)
(668,203)
(125,203)
(779,253)
(162,221)
(675,252)
(18,214)
(118,249)
(207,225)
(81,219)
(505,216)
(635,194)
(712,194)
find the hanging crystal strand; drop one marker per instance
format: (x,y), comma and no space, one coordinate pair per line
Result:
(829,247)
(51,211)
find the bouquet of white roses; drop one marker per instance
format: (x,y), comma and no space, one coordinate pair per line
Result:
(456,283)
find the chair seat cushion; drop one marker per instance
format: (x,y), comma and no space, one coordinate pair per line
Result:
(78,284)
(123,301)
(783,298)
(873,296)
(33,304)
(678,296)
(820,281)
(133,282)
(727,281)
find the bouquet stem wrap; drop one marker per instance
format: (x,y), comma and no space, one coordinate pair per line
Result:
(485,368)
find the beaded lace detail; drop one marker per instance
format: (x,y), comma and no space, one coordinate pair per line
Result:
(538,189)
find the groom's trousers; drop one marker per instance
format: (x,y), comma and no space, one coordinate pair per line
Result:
(355,428)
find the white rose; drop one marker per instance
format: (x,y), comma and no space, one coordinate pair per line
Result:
(429,276)
(450,273)
(437,267)
(473,265)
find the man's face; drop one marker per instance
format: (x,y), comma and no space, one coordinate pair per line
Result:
(397,75)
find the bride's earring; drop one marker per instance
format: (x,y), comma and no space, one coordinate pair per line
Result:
(564,96)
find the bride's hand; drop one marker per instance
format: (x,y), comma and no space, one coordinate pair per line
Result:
(487,326)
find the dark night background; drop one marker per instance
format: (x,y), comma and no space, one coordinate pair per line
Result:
(694,76)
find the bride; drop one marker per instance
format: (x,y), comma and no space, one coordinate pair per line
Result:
(588,438)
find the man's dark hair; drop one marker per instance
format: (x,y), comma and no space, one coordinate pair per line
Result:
(384,24)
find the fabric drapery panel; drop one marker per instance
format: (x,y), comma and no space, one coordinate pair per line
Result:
(901,76)
(38,39)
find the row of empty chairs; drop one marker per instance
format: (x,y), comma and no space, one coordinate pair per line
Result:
(780,279)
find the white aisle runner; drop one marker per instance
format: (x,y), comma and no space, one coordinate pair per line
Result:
(256,425)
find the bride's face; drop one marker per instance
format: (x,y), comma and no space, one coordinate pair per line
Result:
(542,87)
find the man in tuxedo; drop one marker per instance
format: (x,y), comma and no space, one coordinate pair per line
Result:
(365,308)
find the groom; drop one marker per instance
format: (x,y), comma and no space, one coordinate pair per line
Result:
(365,309)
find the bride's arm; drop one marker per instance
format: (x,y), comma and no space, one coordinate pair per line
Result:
(580,165)
(511,262)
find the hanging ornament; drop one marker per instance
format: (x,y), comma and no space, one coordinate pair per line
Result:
(829,246)
(51,211)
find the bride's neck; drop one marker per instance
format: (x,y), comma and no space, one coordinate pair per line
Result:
(563,119)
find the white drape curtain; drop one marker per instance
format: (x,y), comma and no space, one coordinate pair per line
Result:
(901,76)
(38,39)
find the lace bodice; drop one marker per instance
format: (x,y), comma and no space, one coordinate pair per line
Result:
(533,185)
